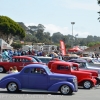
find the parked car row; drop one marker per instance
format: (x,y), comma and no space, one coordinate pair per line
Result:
(53,76)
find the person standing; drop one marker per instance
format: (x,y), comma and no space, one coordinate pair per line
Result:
(15,53)
(29,52)
(5,56)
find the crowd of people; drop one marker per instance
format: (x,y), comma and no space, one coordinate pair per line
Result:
(8,54)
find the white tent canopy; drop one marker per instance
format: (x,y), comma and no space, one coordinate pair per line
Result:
(4,45)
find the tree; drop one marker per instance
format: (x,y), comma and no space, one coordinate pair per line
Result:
(9,29)
(30,38)
(36,28)
(56,37)
(40,35)
(16,45)
(23,25)
(47,38)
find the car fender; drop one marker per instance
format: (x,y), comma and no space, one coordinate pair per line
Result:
(3,83)
(93,80)
(55,87)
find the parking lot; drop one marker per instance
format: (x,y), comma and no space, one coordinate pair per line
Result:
(82,94)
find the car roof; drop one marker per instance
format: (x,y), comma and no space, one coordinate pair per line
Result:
(36,65)
(63,63)
(22,57)
(77,60)
(44,57)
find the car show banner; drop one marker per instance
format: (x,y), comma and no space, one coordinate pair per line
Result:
(62,48)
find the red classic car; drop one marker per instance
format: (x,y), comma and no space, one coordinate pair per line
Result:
(76,67)
(85,79)
(18,61)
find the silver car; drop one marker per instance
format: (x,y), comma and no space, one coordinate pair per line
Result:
(84,65)
(44,59)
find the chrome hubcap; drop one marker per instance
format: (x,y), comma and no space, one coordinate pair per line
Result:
(65,89)
(87,84)
(12,87)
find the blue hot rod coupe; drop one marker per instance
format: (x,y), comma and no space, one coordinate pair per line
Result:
(38,77)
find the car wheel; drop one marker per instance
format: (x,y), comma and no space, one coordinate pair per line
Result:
(12,87)
(1,69)
(65,89)
(87,84)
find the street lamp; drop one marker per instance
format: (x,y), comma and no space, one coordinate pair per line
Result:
(72,32)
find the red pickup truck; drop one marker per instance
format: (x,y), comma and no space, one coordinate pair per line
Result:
(85,79)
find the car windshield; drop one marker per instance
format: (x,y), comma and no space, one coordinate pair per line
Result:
(82,64)
(37,59)
(45,60)
(34,60)
(74,68)
(48,70)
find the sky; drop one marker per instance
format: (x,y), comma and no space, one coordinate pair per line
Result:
(56,15)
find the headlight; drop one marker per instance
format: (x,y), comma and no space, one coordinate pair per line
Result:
(75,80)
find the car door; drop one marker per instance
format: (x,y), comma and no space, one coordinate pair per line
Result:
(64,69)
(38,79)
(24,78)
(18,63)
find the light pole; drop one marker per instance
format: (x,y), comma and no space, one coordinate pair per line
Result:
(72,32)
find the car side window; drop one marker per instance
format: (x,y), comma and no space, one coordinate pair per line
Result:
(15,60)
(60,67)
(37,71)
(74,67)
(27,70)
(82,65)
(23,60)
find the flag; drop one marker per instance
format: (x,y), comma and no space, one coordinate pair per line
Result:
(62,47)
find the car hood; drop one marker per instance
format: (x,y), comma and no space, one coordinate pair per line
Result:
(93,71)
(10,75)
(93,67)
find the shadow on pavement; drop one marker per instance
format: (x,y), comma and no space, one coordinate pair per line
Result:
(35,93)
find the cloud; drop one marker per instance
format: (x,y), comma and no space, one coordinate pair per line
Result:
(63,30)
(53,28)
